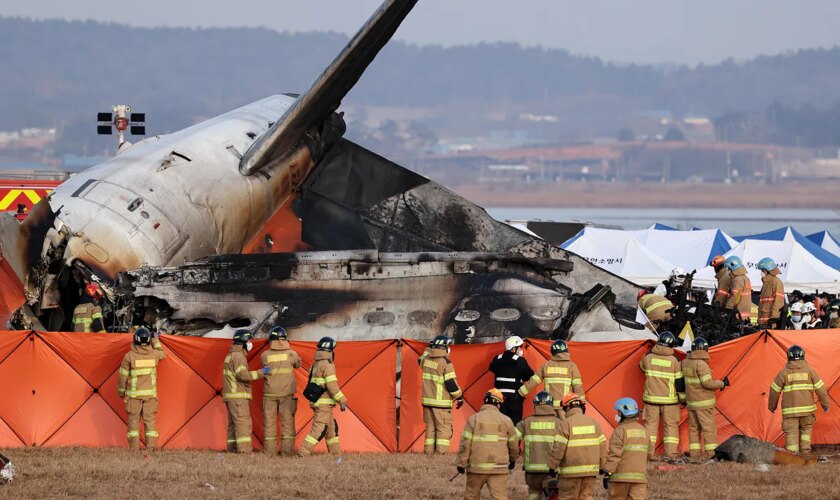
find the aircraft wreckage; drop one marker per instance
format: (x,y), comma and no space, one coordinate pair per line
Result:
(383,252)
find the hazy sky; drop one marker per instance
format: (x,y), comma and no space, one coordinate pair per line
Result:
(686,31)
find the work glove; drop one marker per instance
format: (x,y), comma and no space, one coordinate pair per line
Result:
(825,409)
(343,406)
(552,472)
(726,382)
(459,403)
(460,469)
(607,482)
(603,472)
(266,370)
(511,465)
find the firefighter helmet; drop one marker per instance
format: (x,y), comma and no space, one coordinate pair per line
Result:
(809,308)
(700,344)
(142,336)
(494,397)
(795,353)
(627,407)
(733,263)
(559,346)
(440,342)
(766,264)
(277,333)
(242,336)
(667,339)
(513,342)
(543,398)
(641,294)
(717,261)
(94,290)
(326,344)
(571,399)
(834,305)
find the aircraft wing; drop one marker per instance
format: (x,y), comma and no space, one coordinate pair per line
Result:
(326,93)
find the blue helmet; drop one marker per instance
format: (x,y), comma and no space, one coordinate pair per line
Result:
(627,407)
(733,263)
(766,264)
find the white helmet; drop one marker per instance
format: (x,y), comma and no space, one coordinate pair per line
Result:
(678,275)
(796,307)
(513,342)
(808,308)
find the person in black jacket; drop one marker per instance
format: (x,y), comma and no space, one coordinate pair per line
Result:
(511,371)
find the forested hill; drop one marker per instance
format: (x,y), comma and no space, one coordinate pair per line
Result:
(52,70)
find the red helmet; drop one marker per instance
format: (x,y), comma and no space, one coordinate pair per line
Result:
(571,398)
(641,294)
(94,290)
(718,261)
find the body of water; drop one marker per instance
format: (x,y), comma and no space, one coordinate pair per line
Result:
(733,221)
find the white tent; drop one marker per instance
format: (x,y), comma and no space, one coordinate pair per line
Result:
(801,270)
(648,256)
(826,242)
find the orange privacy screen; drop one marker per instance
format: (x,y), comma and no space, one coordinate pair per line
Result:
(59,389)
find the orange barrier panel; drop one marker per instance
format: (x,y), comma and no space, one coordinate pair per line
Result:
(59,389)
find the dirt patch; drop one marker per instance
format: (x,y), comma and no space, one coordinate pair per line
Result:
(109,473)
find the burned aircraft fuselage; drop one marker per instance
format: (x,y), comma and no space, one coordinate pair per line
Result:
(358,295)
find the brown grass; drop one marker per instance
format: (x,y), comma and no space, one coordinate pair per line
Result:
(650,195)
(111,473)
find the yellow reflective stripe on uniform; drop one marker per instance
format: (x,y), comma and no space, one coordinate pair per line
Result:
(274,358)
(659,374)
(334,440)
(635,433)
(243,439)
(558,380)
(792,377)
(534,438)
(449,376)
(658,305)
(96,315)
(433,377)
(556,369)
(666,363)
(236,395)
(124,372)
(710,446)
(701,404)
(805,437)
(319,380)
(151,434)
(648,398)
(561,439)
(536,467)
(694,446)
(671,440)
(799,409)
(692,380)
(140,393)
(145,363)
(577,381)
(819,384)
(467,435)
(578,469)
(330,378)
(583,429)
(255,374)
(487,465)
(133,434)
(624,476)
(240,369)
(635,447)
(280,371)
(311,440)
(442,403)
(577,443)
(705,377)
(142,371)
(775,387)
(542,425)
(487,438)
(799,387)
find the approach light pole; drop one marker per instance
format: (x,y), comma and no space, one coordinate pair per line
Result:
(121,118)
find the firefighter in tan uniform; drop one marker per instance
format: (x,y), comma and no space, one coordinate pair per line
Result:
(664,391)
(797,383)
(724,280)
(137,385)
(560,374)
(236,392)
(834,314)
(700,389)
(626,469)
(279,394)
(489,449)
(440,389)
(772,298)
(538,433)
(323,375)
(87,316)
(579,453)
(656,308)
(740,289)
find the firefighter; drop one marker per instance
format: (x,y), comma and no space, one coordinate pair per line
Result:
(834,314)
(664,391)
(797,382)
(700,398)
(537,435)
(324,425)
(279,394)
(724,280)
(656,307)
(810,320)
(87,316)
(740,290)
(560,374)
(440,389)
(579,453)
(772,294)
(236,392)
(626,469)
(511,371)
(137,385)
(489,449)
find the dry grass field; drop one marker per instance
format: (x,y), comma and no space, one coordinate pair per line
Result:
(113,473)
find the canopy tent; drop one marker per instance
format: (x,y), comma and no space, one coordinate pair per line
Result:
(790,234)
(826,241)
(664,249)
(801,270)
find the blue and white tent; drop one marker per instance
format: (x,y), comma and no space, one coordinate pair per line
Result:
(790,234)
(826,241)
